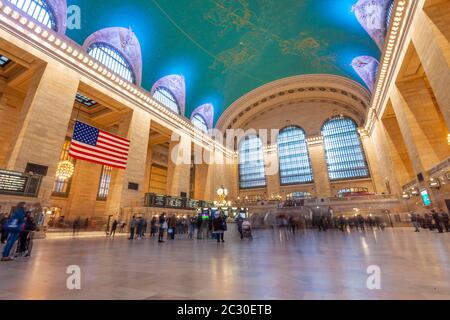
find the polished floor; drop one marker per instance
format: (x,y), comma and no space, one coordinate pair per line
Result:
(311,265)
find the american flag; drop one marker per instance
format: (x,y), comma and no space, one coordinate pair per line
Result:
(95,145)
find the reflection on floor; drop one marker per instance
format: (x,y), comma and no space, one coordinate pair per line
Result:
(311,265)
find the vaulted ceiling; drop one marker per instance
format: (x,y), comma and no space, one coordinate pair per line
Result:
(226,48)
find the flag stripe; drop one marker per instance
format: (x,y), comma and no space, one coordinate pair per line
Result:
(102,145)
(111,144)
(98,152)
(112,141)
(97,160)
(89,159)
(98,157)
(113,137)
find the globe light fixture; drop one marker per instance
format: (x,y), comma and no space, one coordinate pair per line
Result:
(65,170)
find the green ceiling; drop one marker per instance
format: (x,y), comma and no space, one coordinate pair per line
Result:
(226,48)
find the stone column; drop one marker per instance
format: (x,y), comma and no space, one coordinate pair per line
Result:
(179,164)
(320,169)
(43,121)
(377,179)
(431,41)
(422,127)
(272,173)
(135,125)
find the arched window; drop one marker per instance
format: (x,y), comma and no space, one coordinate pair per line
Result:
(39,10)
(251,163)
(112,59)
(295,166)
(344,152)
(199,122)
(166,97)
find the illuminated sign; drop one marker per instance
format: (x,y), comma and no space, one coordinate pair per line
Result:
(20,184)
(425,198)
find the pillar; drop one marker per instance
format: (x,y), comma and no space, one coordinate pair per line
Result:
(320,169)
(431,41)
(135,125)
(43,121)
(179,166)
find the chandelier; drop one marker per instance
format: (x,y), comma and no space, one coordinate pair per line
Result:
(65,170)
(222,194)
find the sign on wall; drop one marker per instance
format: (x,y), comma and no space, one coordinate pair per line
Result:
(19,184)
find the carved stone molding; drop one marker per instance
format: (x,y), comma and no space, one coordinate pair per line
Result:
(326,88)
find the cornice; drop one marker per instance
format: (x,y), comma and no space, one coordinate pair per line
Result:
(396,40)
(330,88)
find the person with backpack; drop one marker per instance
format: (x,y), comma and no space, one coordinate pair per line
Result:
(27,235)
(14,226)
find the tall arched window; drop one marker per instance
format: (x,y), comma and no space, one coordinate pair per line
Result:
(295,165)
(112,59)
(251,163)
(344,152)
(39,10)
(166,97)
(199,122)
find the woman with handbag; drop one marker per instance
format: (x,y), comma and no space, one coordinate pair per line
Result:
(14,226)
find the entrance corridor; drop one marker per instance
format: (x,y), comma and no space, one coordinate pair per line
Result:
(275,265)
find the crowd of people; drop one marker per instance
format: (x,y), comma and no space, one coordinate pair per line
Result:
(326,221)
(432,220)
(17,232)
(169,226)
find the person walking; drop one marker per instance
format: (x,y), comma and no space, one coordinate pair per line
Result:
(445,220)
(218,224)
(292,224)
(133,223)
(415,222)
(153,229)
(437,221)
(27,235)
(14,226)
(172,226)
(199,227)
(113,228)
(239,220)
(140,225)
(4,235)
(192,224)
(162,227)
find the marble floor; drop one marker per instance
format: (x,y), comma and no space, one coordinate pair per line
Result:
(310,265)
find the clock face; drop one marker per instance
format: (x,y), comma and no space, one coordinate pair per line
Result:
(220,192)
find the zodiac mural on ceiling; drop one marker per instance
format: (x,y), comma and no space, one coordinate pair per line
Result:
(373,17)
(366,67)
